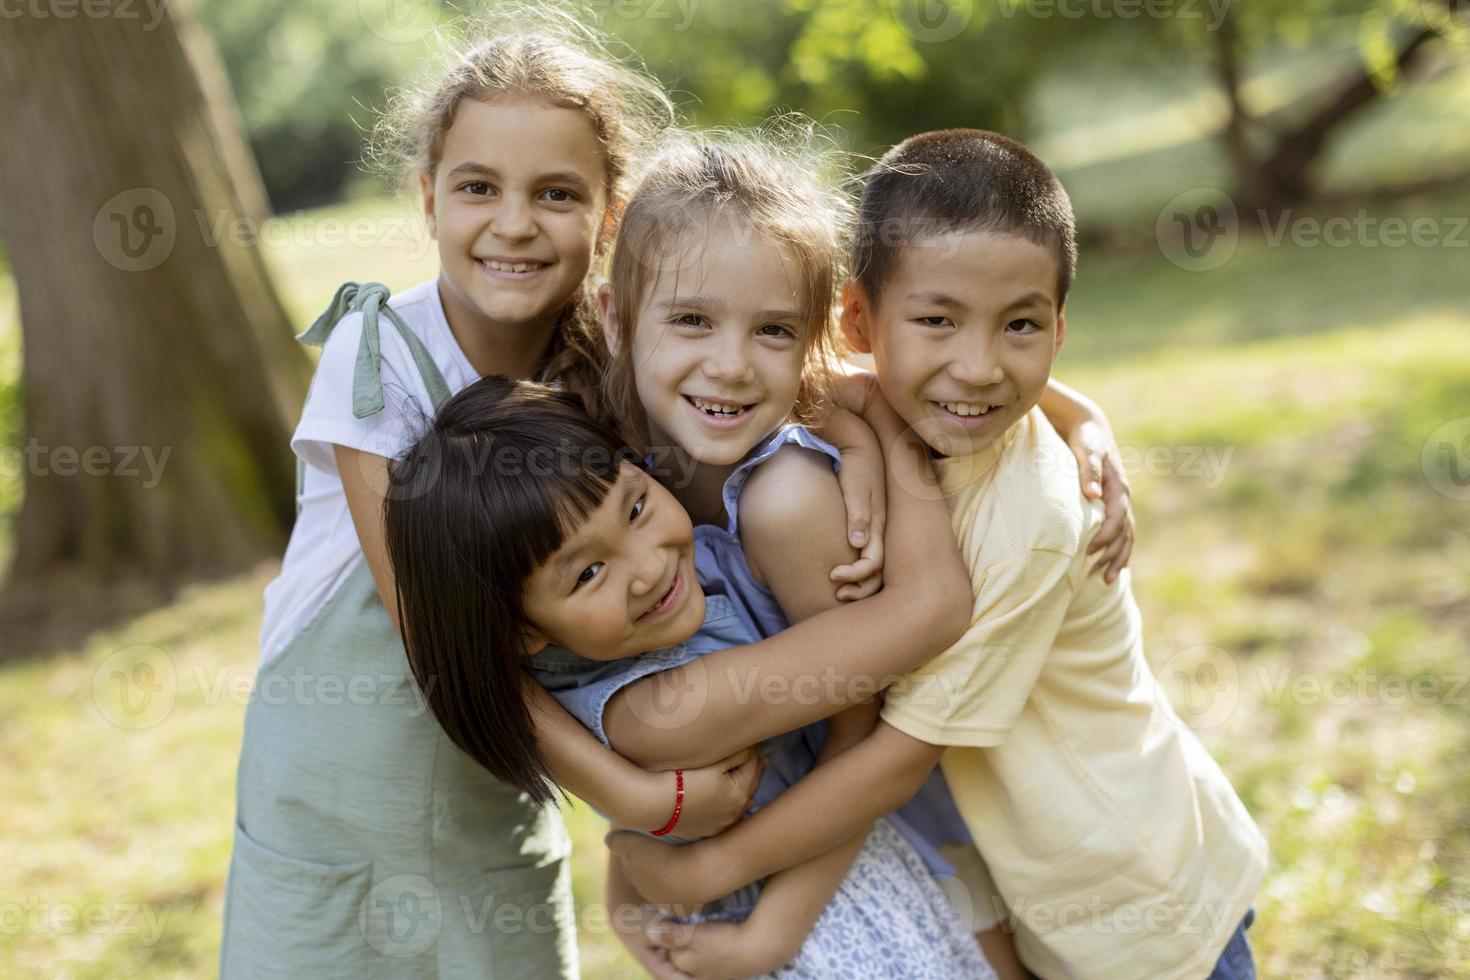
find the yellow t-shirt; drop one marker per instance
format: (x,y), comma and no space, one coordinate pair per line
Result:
(1119,847)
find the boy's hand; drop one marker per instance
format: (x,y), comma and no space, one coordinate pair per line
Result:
(1100,468)
(717,795)
(674,877)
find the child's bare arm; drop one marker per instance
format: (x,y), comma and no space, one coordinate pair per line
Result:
(833,803)
(845,654)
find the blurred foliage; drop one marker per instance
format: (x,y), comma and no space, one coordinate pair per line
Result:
(310,75)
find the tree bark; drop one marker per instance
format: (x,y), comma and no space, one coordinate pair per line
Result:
(1295,151)
(160,380)
(1281,176)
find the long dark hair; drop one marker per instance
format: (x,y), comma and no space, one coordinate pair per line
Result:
(506,470)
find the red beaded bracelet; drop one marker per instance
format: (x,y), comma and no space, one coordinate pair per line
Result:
(678,804)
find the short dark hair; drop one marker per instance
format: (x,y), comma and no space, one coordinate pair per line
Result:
(959,180)
(504,474)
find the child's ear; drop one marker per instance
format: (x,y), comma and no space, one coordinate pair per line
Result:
(1061,329)
(607,316)
(426,184)
(533,641)
(856,317)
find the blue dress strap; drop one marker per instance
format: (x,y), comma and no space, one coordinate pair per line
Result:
(787,435)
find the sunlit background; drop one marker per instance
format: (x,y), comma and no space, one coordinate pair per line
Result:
(1273,306)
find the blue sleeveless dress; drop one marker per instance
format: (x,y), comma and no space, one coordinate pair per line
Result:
(888,918)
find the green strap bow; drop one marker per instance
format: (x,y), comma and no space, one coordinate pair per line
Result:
(371,300)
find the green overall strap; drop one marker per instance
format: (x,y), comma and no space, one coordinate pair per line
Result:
(370,299)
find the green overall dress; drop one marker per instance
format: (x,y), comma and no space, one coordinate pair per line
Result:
(366,844)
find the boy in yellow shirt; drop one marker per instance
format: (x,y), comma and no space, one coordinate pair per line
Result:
(1114,844)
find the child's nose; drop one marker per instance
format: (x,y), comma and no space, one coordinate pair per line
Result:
(650,572)
(978,367)
(729,362)
(512,220)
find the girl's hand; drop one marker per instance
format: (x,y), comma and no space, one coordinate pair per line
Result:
(1100,468)
(652,956)
(864,495)
(673,877)
(715,796)
(712,950)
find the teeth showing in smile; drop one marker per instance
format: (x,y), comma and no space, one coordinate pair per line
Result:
(716,408)
(964,408)
(512,266)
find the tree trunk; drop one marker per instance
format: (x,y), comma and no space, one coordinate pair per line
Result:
(1296,151)
(1280,177)
(160,379)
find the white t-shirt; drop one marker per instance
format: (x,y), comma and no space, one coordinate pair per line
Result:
(324,546)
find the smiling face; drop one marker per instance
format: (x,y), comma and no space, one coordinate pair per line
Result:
(964,335)
(516,203)
(719,344)
(623,583)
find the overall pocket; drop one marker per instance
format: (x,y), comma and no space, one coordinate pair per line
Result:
(288,917)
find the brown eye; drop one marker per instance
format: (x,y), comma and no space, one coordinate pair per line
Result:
(588,573)
(637,509)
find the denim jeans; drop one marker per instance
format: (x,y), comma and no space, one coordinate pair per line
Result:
(1235,962)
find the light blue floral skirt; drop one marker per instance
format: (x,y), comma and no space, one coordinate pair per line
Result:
(889,919)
